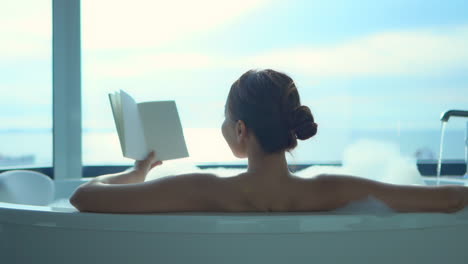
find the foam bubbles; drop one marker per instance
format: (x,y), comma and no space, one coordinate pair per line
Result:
(368,205)
(61,203)
(375,160)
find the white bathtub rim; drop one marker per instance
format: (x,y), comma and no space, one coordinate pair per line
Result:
(306,222)
(275,223)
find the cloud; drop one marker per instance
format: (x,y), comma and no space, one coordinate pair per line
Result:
(416,52)
(115,25)
(109,24)
(143,65)
(26,31)
(136,29)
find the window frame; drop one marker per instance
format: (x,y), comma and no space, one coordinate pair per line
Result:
(66,82)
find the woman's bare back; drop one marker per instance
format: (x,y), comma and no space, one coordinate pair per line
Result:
(241,193)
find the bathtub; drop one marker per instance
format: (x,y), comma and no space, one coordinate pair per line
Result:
(44,234)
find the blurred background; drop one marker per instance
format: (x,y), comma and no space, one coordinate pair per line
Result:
(380,70)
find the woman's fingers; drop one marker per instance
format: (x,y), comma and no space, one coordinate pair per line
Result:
(151,160)
(151,155)
(155,164)
(148,163)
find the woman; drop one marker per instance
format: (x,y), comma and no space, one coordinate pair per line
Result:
(263,120)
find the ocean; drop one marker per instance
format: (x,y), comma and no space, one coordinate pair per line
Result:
(206,145)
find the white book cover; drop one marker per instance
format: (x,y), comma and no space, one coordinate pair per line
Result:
(146,126)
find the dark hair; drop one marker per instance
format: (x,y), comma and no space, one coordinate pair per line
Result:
(268,102)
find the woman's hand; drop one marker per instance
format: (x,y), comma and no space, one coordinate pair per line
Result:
(142,167)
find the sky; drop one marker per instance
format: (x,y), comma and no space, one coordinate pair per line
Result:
(359,65)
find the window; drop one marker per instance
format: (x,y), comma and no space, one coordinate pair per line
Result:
(378,69)
(26,84)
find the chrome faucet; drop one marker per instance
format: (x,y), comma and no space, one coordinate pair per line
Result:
(447,114)
(458,113)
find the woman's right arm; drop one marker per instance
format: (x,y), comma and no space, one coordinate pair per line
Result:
(343,189)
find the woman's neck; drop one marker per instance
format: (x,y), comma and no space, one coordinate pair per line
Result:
(268,165)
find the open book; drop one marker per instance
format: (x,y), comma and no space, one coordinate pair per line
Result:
(143,127)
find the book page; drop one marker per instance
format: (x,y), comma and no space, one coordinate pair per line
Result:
(114,99)
(163,130)
(135,146)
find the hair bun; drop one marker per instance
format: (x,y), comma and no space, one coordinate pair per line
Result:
(303,123)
